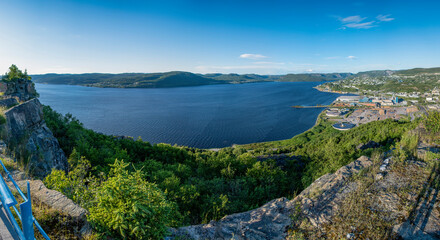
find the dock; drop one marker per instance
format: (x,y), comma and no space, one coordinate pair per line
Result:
(317,106)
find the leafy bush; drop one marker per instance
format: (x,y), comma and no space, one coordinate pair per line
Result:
(14,74)
(73,184)
(432,122)
(127,206)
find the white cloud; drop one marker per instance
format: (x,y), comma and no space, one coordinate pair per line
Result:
(252,56)
(352,19)
(358,22)
(364,25)
(352,57)
(332,58)
(309,70)
(384,18)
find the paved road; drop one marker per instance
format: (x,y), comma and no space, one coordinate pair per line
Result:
(7,232)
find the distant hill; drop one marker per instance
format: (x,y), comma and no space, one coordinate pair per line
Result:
(407,72)
(375,73)
(244,78)
(415,71)
(388,81)
(314,77)
(127,80)
(175,79)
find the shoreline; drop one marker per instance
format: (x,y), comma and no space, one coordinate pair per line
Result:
(317,122)
(330,91)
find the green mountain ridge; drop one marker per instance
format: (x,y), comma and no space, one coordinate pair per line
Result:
(387,73)
(187,79)
(176,79)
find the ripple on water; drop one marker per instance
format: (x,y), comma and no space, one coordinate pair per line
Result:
(204,117)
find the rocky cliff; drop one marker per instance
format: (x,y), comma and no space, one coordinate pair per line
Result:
(21,90)
(366,199)
(31,141)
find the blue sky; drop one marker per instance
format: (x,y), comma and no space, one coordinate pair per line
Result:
(240,36)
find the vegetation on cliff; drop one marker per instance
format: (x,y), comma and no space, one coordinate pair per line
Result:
(392,197)
(208,185)
(14,74)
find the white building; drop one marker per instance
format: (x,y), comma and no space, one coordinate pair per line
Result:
(348,98)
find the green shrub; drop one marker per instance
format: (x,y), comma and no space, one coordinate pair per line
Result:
(2,120)
(73,184)
(432,122)
(127,206)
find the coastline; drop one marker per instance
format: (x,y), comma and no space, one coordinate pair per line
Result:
(317,122)
(330,91)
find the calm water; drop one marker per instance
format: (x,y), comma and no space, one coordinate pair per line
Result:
(204,117)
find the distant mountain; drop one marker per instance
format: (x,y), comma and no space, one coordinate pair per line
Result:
(407,72)
(415,71)
(375,73)
(128,80)
(244,78)
(314,77)
(176,79)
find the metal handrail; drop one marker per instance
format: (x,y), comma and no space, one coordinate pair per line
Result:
(27,232)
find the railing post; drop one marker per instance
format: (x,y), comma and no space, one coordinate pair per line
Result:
(26,216)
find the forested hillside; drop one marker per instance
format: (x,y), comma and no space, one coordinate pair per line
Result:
(175,79)
(195,185)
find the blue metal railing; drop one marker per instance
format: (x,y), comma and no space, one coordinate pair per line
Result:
(26,232)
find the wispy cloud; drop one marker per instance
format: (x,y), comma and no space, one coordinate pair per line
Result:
(352,57)
(384,18)
(252,56)
(358,22)
(364,25)
(353,19)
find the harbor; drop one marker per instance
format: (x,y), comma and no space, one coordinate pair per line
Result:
(348,112)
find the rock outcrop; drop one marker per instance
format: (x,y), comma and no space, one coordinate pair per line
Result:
(54,199)
(321,200)
(271,221)
(402,200)
(267,222)
(8,102)
(32,142)
(22,89)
